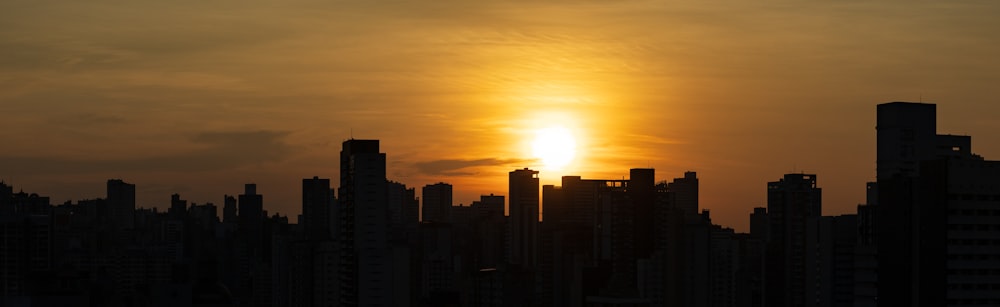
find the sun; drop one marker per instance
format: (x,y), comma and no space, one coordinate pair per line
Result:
(554,146)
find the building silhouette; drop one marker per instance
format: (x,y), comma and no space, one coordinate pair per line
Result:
(437,200)
(317,208)
(251,219)
(925,236)
(404,211)
(365,268)
(523,207)
(794,205)
(121,203)
(229,210)
(936,218)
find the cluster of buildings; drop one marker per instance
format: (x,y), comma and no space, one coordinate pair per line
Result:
(928,235)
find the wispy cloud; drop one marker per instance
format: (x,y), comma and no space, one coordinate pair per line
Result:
(463,166)
(218,151)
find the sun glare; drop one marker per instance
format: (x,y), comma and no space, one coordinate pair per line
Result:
(554,146)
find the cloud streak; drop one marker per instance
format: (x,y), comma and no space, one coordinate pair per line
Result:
(459,167)
(219,151)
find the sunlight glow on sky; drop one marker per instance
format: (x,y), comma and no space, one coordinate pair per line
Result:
(555,146)
(198,98)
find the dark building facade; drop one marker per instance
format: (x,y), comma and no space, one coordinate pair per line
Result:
(121,201)
(794,206)
(936,217)
(523,207)
(317,207)
(437,200)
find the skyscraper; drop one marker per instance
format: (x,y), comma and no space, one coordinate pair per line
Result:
(437,200)
(366,263)
(229,210)
(794,206)
(404,210)
(317,202)
(178,207)
(935,214)
(523,208)
(121,201)
(251,213)
(6,194)
(684,193)
(489,206)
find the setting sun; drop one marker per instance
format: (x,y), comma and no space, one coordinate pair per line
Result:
(554,146)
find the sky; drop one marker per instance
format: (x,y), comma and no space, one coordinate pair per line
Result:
(200,97)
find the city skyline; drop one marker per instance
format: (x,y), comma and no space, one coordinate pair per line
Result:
(200,98)
(742,224)
(925,236)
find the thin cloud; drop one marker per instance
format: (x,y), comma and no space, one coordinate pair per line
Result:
(452,166)
(222,151)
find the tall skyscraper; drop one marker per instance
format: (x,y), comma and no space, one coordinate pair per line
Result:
(6,195)
(759,225)
(229,210)
(121,201)
(642,194)
(178,207)
(251,210)
(684,192)
(251,220)
(836,256)
(489,206)
(437,200)
(566,237)
(317,202)
(907,135)
(366,260)
(794,205)
(523,209)
(404,209)
(935,215)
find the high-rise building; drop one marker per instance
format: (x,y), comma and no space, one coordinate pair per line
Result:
(759,225)
(26,251)
(566,237)
(752,267)
(6,196)
(794,206)
(404,210)
(935,219)
(229,209)
(317,202)
(488,223)
(523,207)
(366,260)
(178,207)
(206,216)
(121,201)
(866,258)
(489,206)
(437,267)
(684,192)
(437,200)
(836,254)
(312,278)
(251,212)
(907,135)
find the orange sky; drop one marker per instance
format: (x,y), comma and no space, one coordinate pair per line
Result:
(199,97)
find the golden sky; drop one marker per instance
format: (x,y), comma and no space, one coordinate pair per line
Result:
(199,97)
